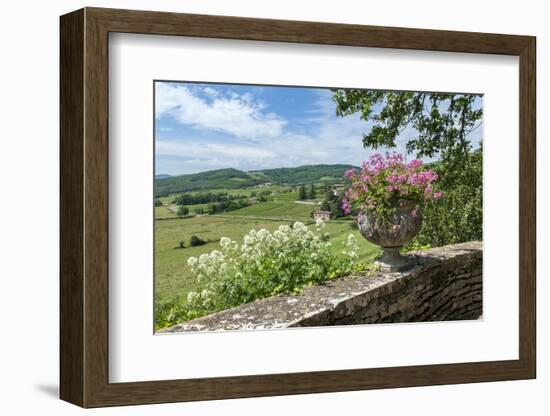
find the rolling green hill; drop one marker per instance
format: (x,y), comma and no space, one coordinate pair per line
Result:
(213,179)
(303,174)
(234,178)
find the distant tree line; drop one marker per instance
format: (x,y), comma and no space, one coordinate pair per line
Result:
(262,196)
(225,206)
(309,192)
(204,198)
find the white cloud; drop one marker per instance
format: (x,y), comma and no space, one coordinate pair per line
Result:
(325,140)
(238,115)
(318,138)
(211,92)
(209,150)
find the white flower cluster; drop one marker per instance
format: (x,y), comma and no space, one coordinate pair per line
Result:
(351,247)
(266,263)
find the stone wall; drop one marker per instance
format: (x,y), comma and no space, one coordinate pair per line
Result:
(445,284)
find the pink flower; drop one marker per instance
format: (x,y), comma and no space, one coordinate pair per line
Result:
(350,173)
(413,164)
(383,178)
(346,207)
(393,178)
(375,157)
(392,188)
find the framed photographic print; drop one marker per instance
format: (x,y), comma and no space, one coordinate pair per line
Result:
(255,207)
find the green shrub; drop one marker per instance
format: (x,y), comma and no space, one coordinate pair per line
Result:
(196,241)
(182,211)
(458,216)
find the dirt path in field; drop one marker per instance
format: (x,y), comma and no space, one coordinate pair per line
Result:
(173,208)
(307,203)
(238,217)
(250,217)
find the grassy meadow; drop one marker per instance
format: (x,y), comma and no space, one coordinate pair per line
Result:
(172,275)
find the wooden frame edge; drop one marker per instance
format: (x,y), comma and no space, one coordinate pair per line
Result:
(84,207)
(72,367)
(527,208)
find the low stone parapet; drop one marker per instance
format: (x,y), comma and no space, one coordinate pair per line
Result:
(445,284)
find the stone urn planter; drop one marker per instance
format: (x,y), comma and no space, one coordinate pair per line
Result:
(391,233)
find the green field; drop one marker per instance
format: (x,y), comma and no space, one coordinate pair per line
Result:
(172,275)
(281,209)
(163,212)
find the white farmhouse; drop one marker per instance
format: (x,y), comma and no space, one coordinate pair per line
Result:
(321,215)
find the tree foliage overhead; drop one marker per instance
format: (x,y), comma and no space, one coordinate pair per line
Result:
(443,121)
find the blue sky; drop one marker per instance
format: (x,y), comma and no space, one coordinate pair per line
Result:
(202,127)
